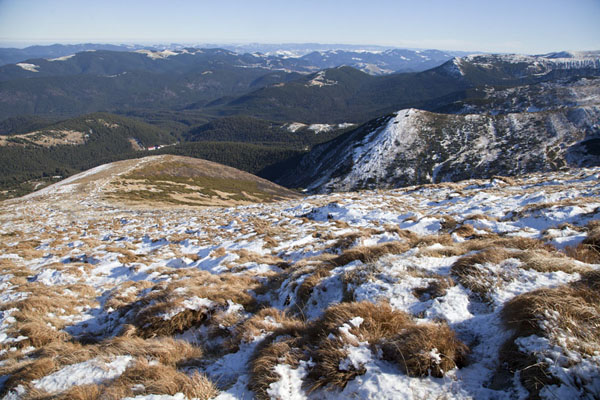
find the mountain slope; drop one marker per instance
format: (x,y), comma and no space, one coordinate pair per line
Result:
(565,92)
(167,180)
(13,55)
(73,145)
(220,82)
(472,290)
(415,147)
(344,94)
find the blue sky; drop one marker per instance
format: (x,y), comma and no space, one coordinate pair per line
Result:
(523,26)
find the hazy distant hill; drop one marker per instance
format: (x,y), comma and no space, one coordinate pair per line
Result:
(14,55)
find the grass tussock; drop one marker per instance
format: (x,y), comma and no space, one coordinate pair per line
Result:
(265,321)
(588,251)
(543,261)
(125,294)
(419,350)
(143,378)
(82,392)
(426,349)
(246,256)
(266,358)
(148,378)
(349,240)
(166,310)
(353,278)
(38,316)
(568,315)
(367,254)
(448,223)
(55,355)
(307,286)
(572,310)
(437,287)
(469,271)
(24,373)
(465,230)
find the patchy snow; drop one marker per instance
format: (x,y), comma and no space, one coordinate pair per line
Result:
(28,67)
(295,126)
(85,373)
(63,58)
(318,128)
(320,80)
(289,386)
(158,55)
(176,396)
(194,303)
(76,246)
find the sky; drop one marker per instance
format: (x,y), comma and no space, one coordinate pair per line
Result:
(515,26)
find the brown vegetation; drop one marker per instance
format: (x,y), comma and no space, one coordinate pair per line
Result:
(413,347)
(570,311)
(370,253)
(469,272)
(437,287)
(162,313)
(426,349)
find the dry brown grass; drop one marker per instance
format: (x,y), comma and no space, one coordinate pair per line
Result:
(220,252)
(166,298)
(437,287)
(264,360)
(573,308)
(426,349)
(543,261)
(55,355)
(401,341)
(307,286)
(352,278)
(160,379)
(23,374)
(167,351)
(588,251)
(465,230)
(469,272)
(125,294)
(322,341)
(480,217)
(570,311)
(505,179)
(348,240)
(477,243)
(448,223)
(370,253)
(38,316)
(142,378)
(512,242)
(83,392)
(246,256)
(267,320)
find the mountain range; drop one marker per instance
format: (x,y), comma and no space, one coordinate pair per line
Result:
(471,116)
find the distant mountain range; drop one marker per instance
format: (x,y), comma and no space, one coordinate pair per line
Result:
(371,59)
(262,112)
(541,126)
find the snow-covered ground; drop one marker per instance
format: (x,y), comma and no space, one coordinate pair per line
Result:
(91,290)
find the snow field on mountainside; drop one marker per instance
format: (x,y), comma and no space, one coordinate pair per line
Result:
(407,293)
